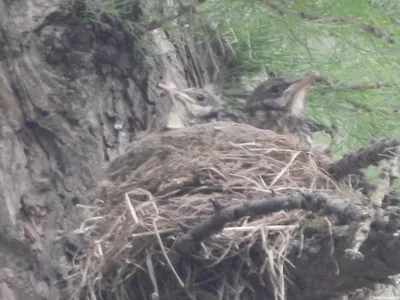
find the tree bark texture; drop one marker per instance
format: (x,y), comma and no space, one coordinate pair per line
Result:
(71,98)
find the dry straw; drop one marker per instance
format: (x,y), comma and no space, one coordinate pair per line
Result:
(163,184)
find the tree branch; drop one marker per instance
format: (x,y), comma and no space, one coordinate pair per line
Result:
(388,174)
(314,202)
(325,83)
(363,158)
(328,84)
(377,32)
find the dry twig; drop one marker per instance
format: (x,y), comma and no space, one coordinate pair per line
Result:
(314,202)
(363,158)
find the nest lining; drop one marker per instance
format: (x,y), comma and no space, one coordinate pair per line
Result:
(164,183)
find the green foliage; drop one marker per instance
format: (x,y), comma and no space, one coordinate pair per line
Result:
(355,45)
(347,42)
(95,10)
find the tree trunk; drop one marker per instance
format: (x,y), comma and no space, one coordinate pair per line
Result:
(72,96)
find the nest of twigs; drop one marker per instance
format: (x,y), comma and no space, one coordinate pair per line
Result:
(163,185)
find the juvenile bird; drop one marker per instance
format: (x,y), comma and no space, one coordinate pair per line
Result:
(278,104)
(190,107)
(220,111)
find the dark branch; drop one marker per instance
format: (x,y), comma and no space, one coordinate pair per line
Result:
(327,84)
(377,32)
(314,202)
(363,158)
(360,87)
(316,126)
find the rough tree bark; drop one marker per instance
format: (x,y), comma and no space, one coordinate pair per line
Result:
(71,98)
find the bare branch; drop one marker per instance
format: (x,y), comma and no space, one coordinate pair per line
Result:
(363,158)
(314,202)
(328,84)
(377,32)
(374,209)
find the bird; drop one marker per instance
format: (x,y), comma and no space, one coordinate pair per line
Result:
(278,104)
(190,107)
(213,109)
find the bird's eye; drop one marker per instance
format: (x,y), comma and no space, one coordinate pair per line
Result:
(200,97)
(275,89)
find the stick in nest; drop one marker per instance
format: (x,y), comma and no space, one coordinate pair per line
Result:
(189,241)
(388,174)
(363,158)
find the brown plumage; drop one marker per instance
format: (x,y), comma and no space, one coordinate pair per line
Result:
(189,107)
(277,104)
(208,107)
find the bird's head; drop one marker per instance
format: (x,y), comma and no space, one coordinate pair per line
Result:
(204,102)
(190,105)
(281,94)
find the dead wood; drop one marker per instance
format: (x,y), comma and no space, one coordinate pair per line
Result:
(314,202)
(363,158)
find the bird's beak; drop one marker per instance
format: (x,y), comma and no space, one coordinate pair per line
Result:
(176,95)
(296,93)
(185,98)
(304,81)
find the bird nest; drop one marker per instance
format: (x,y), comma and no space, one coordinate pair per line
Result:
(163,185)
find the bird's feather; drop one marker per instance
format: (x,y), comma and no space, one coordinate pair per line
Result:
(174,121)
